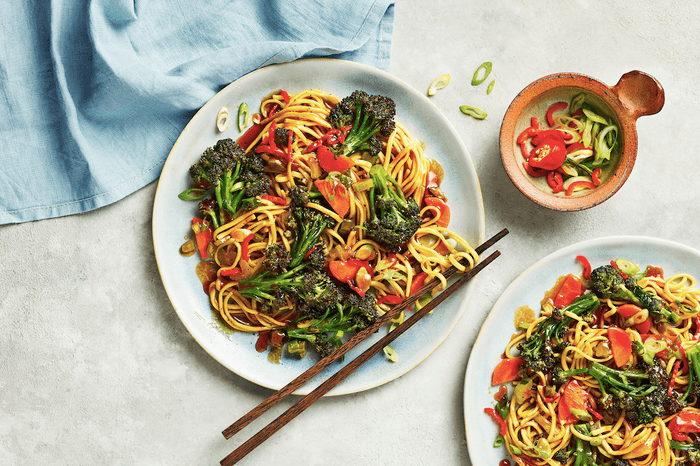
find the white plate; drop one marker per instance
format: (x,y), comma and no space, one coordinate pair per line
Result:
(172,217)
(528,289)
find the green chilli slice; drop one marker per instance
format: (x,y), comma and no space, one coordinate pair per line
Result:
(486,66)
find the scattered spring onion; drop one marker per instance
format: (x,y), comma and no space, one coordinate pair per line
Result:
(222,119)
(473,112)
(499,441)
(390,353)
(438,84)
(486,66)
(490,87)
(243,116)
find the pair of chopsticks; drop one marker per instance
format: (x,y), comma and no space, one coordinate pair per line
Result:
(339,376)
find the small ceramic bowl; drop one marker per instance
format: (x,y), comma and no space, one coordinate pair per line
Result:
(636,94)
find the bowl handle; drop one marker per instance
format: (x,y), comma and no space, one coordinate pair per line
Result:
(640,93)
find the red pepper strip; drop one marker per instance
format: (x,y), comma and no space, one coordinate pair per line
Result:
(203,235)
(620,345)
(574,147)
(392,260)
(535,123)
(313,146)
(262,341)
(244,247)
(569,290)
(285,96)
(553,108)
(586,266)
(555,181)
(330,163)
(442,207)
(525,151)
(272,150)
(614,264)
(274,199)
(576,184)
(534,172)
(231,272)
(389,298)
(578,112)
(550,134)
(502,429)
(336,194)
(595,413)
(274,109)
(249,136)
(346,271)
(696,319)
(506,371)
(290,136)
(418,281)
(685,421)
(309,252)
(595,176)
(526,134)
(269,138)
(672,382)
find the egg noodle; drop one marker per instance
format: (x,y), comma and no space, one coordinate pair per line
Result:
(431,250)
(541,426)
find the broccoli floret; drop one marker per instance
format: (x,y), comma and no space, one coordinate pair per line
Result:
(309,224)
(299,195)
(282,137)
(692,450)
(393,218)
(537,350)
(276,258)
(230,174)
(560,376)
(642,395)
(608,283)
(332,320)
(209,210)
(562,456)
(368,115)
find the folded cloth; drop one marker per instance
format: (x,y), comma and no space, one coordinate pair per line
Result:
(93,93)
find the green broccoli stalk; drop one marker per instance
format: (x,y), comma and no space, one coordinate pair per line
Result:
(692,353)
(537,351)
(368,115)
(393,218)
(230,175)
(308,224)
(641,394)
(692,450)
(608,283)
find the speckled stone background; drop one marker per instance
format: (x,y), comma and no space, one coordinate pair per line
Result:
(96,368)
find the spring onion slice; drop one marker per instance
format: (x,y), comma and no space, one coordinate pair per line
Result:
(438,84)
(473,111)
(602,148)
(243,116)
(486,66)
(222,119)
(577,102)
(490,88)
(390,353)
(591,115)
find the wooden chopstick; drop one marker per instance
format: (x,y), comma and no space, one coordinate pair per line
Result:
(339,376)
(347,346)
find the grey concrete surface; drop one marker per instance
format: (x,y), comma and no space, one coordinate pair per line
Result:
(97,369)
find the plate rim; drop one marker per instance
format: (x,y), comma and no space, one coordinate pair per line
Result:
(364,70)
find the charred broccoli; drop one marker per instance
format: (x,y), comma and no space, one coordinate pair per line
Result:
(276,258)
(367,115)
(608,283)
(308,224)
(537,351)
(325,332)
(230,175)
(393,218)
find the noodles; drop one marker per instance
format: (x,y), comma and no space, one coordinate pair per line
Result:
(570,412)
(239,246)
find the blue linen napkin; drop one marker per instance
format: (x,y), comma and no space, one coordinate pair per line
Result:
(93,93)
